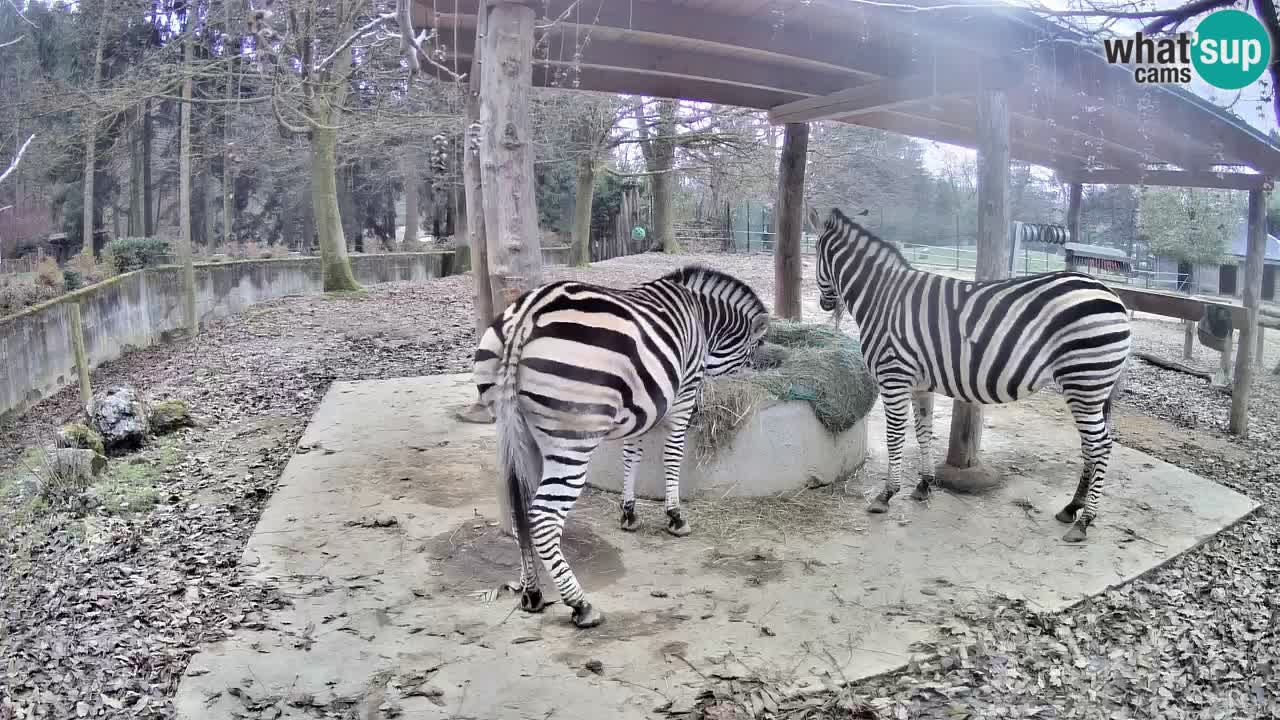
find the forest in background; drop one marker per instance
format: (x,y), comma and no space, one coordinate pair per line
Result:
(318,124)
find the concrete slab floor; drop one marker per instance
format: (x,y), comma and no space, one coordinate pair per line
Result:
(394,615)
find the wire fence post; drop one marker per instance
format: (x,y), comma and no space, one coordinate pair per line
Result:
(957,242)
(748,227)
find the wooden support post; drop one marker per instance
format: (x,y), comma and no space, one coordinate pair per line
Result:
(1223,376)
(478,413)
(992,251)
(1262,342)
(1073,211)
(506,152)
(1252,300)
(82,358)
(787,274)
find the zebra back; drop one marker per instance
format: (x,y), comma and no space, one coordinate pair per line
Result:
(734,318)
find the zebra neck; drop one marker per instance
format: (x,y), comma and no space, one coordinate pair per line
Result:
(867,287)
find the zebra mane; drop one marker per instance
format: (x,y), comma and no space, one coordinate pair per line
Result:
(837,218)
(701,278)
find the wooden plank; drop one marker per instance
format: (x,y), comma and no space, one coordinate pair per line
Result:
(82,358)
(1174,306)
(1174,178)
(618,51)
(955,134)
(1251,296)
(955,80)
(992,253)
(787,265)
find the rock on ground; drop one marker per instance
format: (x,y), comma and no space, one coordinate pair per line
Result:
(169,415)
(81,436)
(119,415)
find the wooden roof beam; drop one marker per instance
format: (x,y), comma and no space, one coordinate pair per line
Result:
(664,22)
(624,54)
(1173,178)
(926,128)
(892,92)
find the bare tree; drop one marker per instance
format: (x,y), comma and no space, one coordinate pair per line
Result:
(17,158)
(311,102)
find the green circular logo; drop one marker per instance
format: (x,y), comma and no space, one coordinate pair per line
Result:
(1232,49)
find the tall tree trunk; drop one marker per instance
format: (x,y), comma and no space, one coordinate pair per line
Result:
(228,177)
(663,217)
(409,176)
(91,140)
(148,204)
(659,149)
(328,218)
(583,198)
(184,201)
(136,223)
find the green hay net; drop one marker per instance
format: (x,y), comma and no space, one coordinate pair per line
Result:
(798,361)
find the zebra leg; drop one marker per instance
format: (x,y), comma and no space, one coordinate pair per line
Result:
(1068,513)
(677,424)
(631,454)
(563,475)
(1095,445)
(530,593)
(895,418)
(922,403)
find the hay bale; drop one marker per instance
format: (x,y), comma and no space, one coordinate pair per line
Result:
(798,361)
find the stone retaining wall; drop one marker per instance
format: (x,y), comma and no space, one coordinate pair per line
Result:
(140,308)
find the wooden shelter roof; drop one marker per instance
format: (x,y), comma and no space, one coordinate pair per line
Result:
(913,69)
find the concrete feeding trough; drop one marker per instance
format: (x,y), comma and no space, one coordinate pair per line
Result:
(797,419)
(783,447)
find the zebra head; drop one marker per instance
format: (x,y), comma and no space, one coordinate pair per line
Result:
(828,246)
(734,317)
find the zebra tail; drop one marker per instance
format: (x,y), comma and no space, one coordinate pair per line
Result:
(519,457)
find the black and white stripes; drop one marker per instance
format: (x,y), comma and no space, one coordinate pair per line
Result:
(569,365)
(980,342)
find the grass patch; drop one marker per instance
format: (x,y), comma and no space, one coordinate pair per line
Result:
(129,484)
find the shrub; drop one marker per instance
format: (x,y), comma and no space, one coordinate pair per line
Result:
(22,291)
(50,275)
(129,254)
(89,271)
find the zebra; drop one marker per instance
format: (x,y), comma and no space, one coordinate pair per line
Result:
(979,342)
(571,364)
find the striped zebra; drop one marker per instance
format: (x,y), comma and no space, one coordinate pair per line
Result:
(569,365)
(980,342)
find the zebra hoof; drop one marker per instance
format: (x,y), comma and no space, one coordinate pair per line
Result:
(879,505)
(629,523)
(922,491)
(586,616)
(1066,515)
(1076,534)
(531,601)
(677,525)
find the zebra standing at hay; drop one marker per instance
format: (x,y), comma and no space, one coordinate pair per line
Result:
(569,365)
(980,342)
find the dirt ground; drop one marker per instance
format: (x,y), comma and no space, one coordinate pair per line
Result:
(102,614)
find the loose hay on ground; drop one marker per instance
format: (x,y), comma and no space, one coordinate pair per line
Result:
(806,512)
(799,361)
